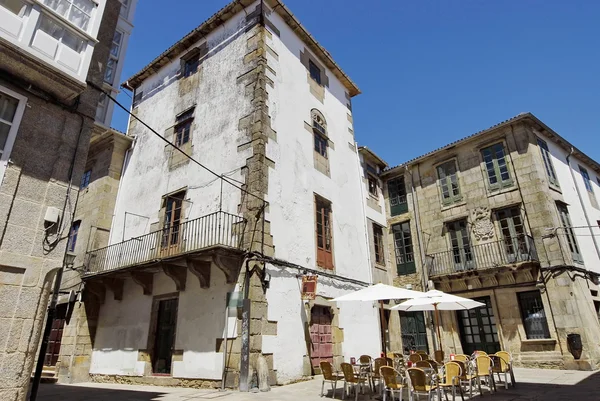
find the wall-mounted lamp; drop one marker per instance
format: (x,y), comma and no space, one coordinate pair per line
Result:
(69,260)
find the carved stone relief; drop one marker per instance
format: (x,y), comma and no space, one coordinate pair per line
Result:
(483,227)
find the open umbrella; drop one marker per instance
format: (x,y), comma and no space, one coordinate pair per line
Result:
(436,301)
(380,292)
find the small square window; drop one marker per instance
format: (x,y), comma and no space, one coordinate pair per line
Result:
(184,127)
(372,185)
(315,72)
(191,62)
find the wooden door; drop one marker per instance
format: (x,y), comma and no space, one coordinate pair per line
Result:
(478,328)
(171,235)
(56,333)
(164,340)
(513,234)
(414,331)
(321,336)
(324,237)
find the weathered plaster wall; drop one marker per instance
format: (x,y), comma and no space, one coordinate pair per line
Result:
(293,182)
(123,328)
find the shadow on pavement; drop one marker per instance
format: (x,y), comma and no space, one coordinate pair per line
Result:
(57,392)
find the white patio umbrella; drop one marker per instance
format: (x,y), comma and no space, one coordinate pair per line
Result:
(379,292)
(436,301)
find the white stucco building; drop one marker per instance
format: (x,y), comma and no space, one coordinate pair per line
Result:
(252,96)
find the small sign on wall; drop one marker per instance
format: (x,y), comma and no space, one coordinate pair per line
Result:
(309,287)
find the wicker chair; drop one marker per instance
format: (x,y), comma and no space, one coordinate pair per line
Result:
(329,375)
(351,379)
(451,379)
(462,358)
(505,367)
(424,354)
(414,358)
(483,368)
(465,375)
(418,383)
(423,364)
(434,365)
(439,356)
(390,381)
(376,375)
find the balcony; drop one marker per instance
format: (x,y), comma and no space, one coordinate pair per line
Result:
(508,252)
(50,43)
(218,233)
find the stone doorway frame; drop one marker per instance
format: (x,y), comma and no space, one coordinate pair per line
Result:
(336,331)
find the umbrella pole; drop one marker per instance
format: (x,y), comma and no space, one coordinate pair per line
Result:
(383,327)
(436,316)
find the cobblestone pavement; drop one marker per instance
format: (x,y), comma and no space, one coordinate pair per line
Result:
(532,385)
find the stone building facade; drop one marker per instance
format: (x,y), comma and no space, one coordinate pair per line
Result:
(47,116)
(251,95)
(490,217)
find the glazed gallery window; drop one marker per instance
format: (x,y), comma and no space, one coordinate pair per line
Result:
(448,181)
(397,194)
(569,234)
(323,232)
(78,12)
(405,260)
(547,157)
(494,158)
(378,244)
(113,58)
(183,127)
(314,71)
(533,315)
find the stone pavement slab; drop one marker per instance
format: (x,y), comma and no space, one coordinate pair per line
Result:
(532,385)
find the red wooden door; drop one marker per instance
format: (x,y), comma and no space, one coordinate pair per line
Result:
(321,336)
(58,324)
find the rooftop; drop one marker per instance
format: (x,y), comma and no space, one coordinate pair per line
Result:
(220,18)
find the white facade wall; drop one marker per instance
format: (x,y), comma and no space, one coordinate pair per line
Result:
(123,328)
(585,239)
(220,104)
(292,185)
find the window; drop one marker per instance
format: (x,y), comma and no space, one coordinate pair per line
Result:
(372,185)
(73,236)
(113,58)
(397,194)
(461,245)
(565,220)
(315,72)
(495,164)
(533,315)
(11,111)
(405,261)
(78,12)
(172,219)
(60,34)
(323,232)
(586,180)
(513,234)
(85,179)
(319,127)
(183,127)
(550,172)
(191,62)
(378,243)
(448,180)
(320,145)
(124,8)
(102,108)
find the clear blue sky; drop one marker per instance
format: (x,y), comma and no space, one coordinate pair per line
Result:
(432,72)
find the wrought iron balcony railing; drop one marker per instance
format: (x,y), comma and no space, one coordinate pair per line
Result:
(508,251)
(215,229)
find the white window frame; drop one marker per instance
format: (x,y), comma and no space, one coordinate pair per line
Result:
(114,58)
(14,128)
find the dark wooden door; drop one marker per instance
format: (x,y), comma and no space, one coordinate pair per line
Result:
(321,336)
(414,331)
(478,328)
(164,342)
(53,350)
(324,237)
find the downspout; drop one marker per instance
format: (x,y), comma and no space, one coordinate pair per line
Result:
(587,218)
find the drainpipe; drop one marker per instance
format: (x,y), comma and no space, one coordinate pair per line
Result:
(587,218)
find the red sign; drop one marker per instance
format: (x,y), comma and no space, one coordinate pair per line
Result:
(309,287)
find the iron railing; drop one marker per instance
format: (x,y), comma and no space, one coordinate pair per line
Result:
(484,256)
(219,228)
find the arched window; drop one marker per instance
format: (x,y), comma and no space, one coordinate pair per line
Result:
(319,126)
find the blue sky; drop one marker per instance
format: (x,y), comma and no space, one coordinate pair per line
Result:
(432,72)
